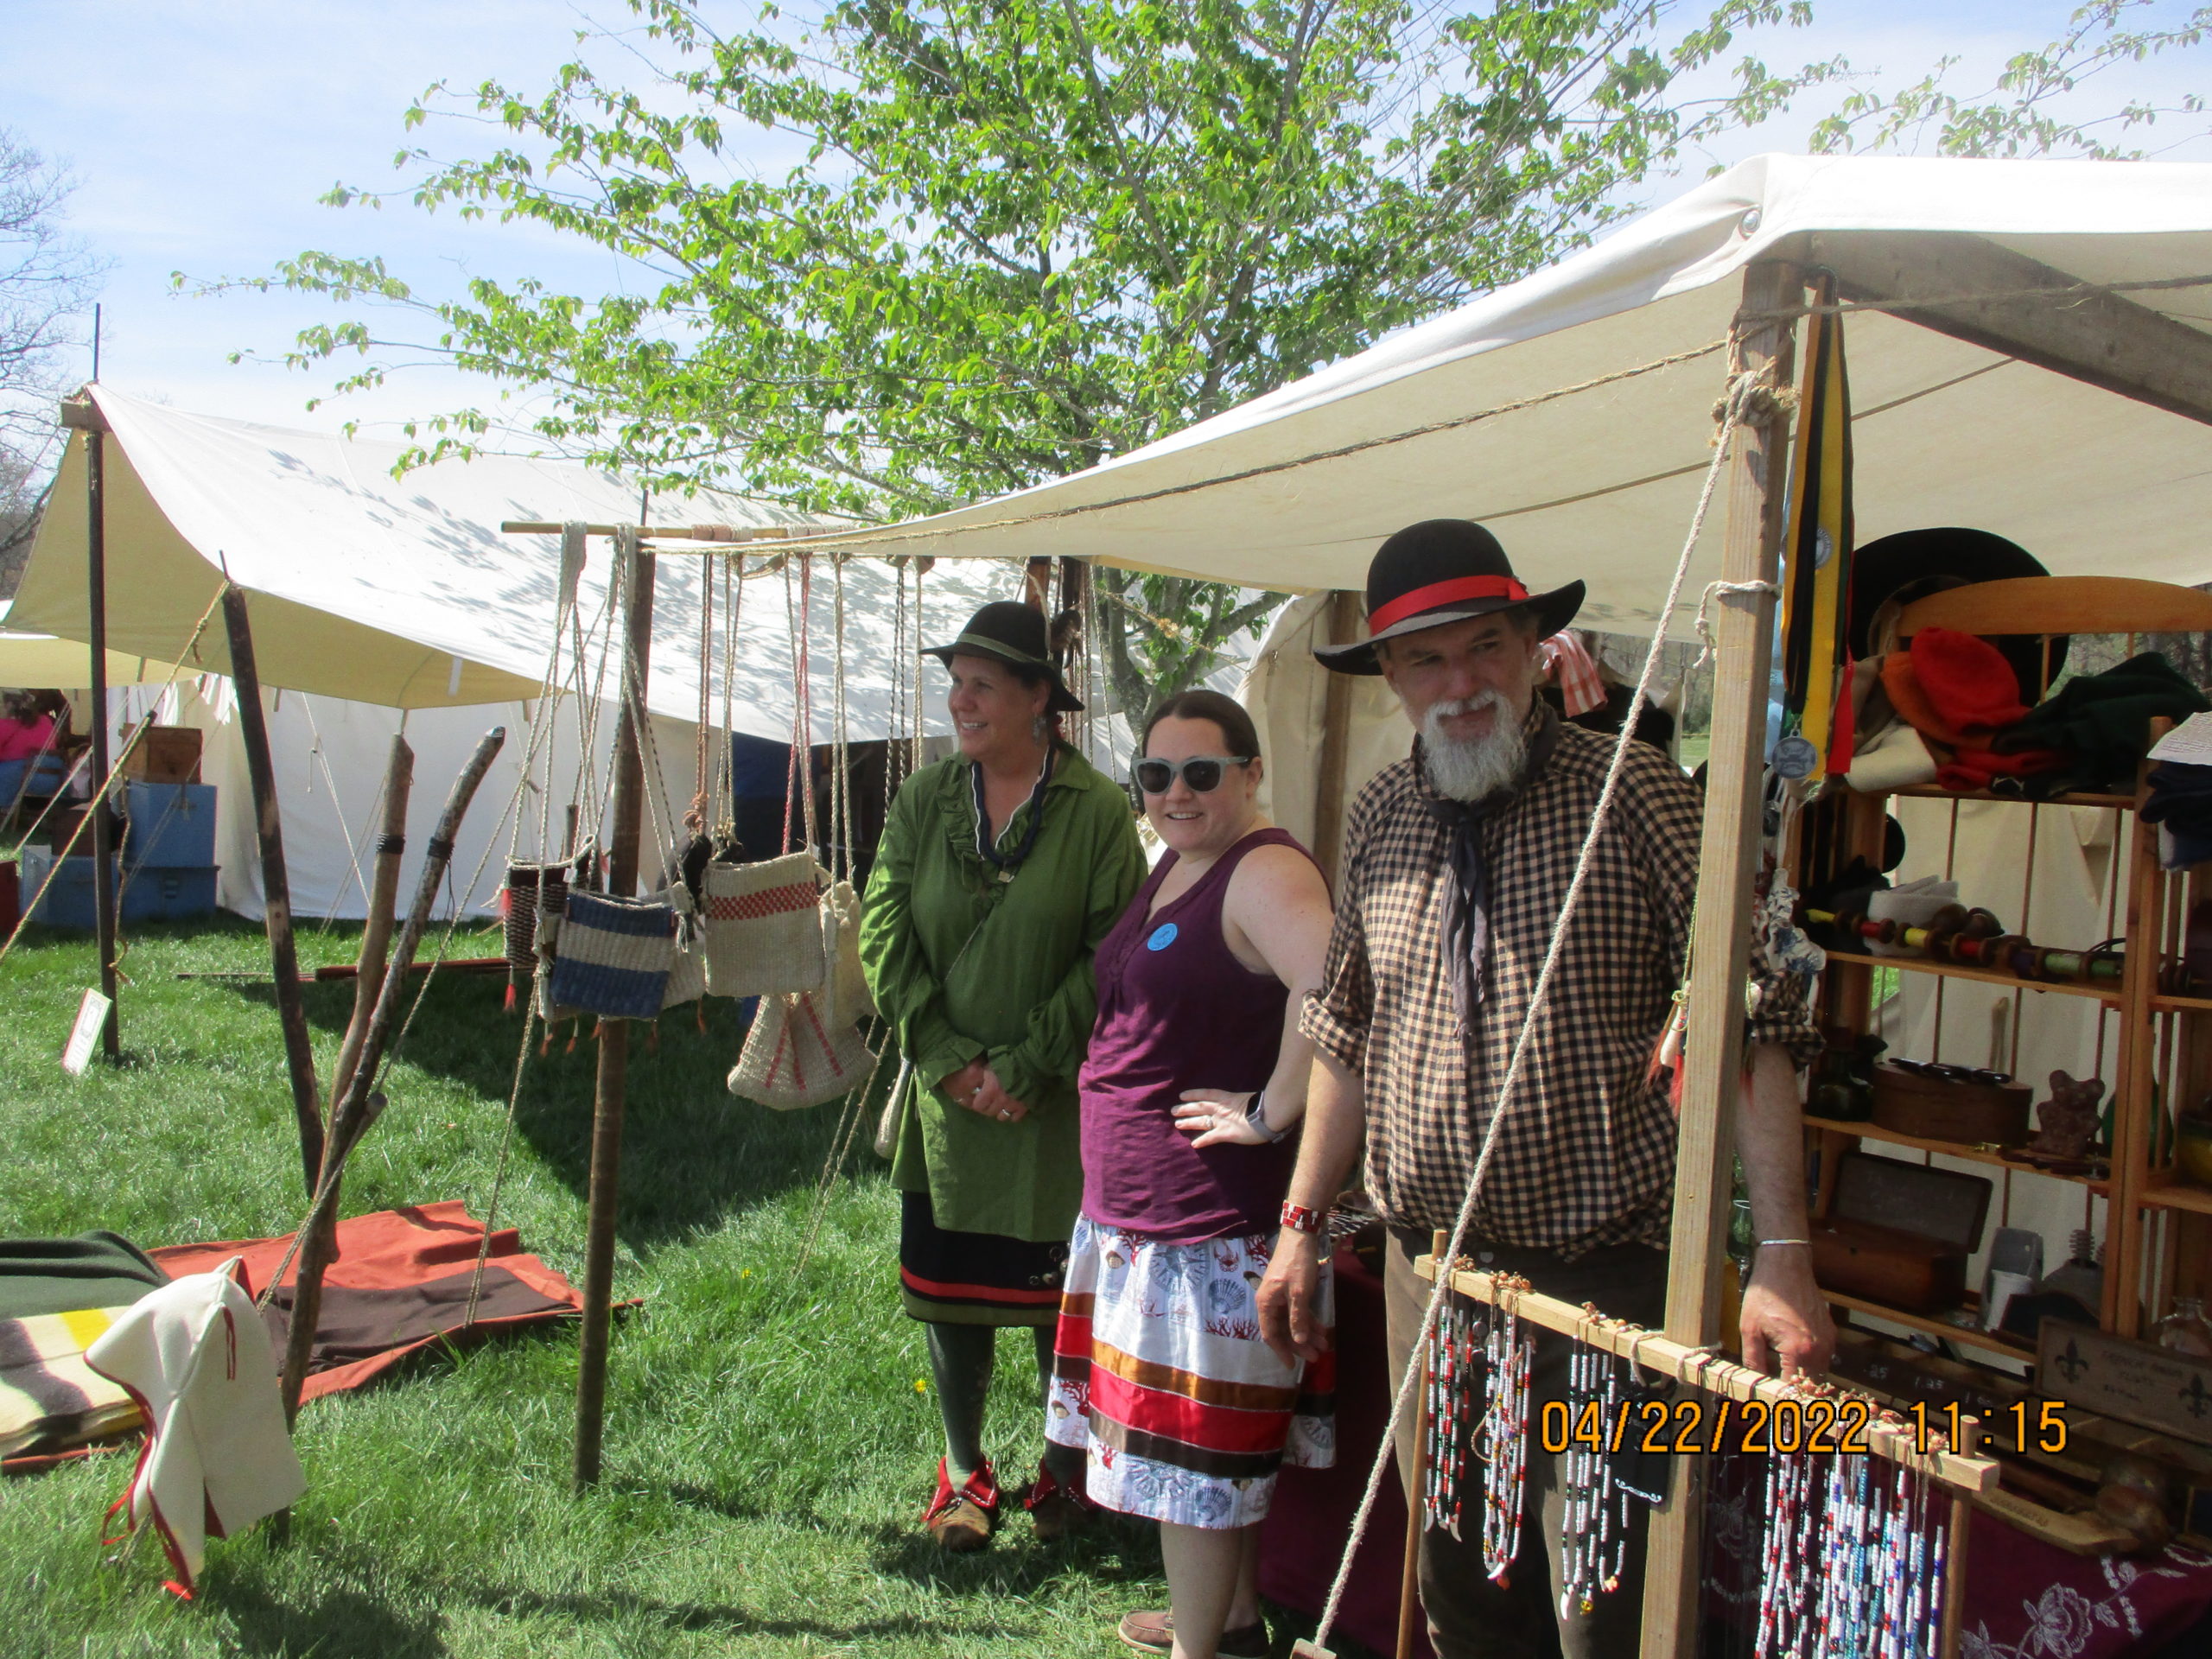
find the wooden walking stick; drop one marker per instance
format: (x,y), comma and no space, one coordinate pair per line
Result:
(276,887)
(384,905)
(353,1111)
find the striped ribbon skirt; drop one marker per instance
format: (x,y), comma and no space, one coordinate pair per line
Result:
(1159,1372)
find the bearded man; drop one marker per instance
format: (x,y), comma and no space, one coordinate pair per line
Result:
(1456,867)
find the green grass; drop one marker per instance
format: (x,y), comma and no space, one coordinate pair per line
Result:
(768,1447)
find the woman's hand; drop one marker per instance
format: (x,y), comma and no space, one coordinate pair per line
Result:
(962,1087)
(993,1102)
(1217,1118)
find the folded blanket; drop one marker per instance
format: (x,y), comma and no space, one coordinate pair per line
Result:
(49,1398)
(59,1275)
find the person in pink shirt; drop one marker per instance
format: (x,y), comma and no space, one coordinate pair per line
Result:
(25,728)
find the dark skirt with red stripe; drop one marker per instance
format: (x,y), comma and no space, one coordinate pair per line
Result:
(952,1278)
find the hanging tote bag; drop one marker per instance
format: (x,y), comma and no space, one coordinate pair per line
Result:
(845,998)
(687,972)
(764,926)
(614,956)
(794,1058)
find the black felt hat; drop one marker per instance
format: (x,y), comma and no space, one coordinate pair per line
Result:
(1443,570)
(1009,631)
(1895,570)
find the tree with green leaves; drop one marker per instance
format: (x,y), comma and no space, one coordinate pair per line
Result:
(1023,237)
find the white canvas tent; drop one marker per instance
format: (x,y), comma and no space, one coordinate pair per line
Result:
(404,592)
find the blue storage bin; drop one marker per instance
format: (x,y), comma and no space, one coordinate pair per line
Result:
(167,892)
(152,893)
(45,773)
(169,824)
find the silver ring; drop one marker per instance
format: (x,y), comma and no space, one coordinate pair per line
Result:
(1005,1116)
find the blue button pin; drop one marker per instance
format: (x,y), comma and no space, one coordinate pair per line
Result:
(1162,936)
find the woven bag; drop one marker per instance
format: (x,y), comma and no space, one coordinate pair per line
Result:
(794,1058)
(845,997)
(615,955)
(687,973)
(530,888)
(764,926)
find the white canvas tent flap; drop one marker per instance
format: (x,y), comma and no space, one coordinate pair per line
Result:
(405,591)
(1571,411)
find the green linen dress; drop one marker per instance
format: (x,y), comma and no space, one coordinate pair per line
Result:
(966,961)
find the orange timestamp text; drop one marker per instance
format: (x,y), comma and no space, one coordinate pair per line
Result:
(1695,1426)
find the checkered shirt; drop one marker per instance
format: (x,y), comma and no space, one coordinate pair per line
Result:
(1586,1158)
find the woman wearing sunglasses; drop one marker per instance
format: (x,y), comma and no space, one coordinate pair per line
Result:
(1195,1081)
(999,870)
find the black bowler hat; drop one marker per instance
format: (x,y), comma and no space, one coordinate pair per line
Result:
(1009,631)
(1914,563)
(1443,570)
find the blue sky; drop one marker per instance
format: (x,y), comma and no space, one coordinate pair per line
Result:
(202,134)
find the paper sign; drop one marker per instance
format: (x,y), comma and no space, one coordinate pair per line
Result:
(85,1035)
(2188,744)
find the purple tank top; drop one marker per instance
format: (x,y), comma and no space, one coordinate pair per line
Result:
(1176,1011)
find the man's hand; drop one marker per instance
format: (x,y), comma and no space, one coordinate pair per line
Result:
(1785,1316)
(993,1101)
(1287,1321)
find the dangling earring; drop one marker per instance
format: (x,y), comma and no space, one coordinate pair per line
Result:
(1036,727)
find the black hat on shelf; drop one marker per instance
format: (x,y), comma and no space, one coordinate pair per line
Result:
(1891,572)
(1009,631)
(1443,570)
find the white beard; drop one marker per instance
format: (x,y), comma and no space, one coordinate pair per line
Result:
(1467,769)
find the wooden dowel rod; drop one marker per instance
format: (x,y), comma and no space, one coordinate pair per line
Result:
(276,885)
(722,533)
(1656,1351)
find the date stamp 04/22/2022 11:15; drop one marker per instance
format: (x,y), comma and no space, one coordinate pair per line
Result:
(1696,1426)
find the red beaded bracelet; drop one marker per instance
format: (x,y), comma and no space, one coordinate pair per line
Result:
(1299,1219)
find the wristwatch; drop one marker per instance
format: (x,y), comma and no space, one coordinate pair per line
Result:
(1257,1115)
(1299,1219)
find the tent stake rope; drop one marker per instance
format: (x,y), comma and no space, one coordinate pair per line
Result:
(1742,389)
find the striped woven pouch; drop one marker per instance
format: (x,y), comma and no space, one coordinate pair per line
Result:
(764,926)
(615,955)
(794,1057)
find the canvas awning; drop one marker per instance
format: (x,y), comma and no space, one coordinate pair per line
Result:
(1571,411)
(405,591)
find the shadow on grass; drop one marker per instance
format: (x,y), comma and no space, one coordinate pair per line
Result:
(614,1605)
(343,1625)
(692,1156)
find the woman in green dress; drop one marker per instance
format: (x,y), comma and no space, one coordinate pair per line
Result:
(999,870)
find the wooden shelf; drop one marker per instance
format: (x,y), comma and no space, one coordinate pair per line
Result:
(1869,1131)
(1929,792)
(2165,1004)
(1955,970)
(1972,1336)
(2179,1195)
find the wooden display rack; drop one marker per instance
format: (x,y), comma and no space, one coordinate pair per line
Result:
(2153,1047)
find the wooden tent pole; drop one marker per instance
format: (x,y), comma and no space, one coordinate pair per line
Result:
(275,884)
(85,415)
(1720,946)
(1341,623)
(384,906)
(637,566)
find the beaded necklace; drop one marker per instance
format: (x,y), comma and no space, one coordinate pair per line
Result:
(1507,1356)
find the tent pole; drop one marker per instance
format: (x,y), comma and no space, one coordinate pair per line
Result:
(1343,627)
(104,872)
(1037,585)
(637,566)
(275,884)
(1720,946)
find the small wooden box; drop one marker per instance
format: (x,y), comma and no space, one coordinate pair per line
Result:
(1889,1265)
(1941,1108)
(166,754)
